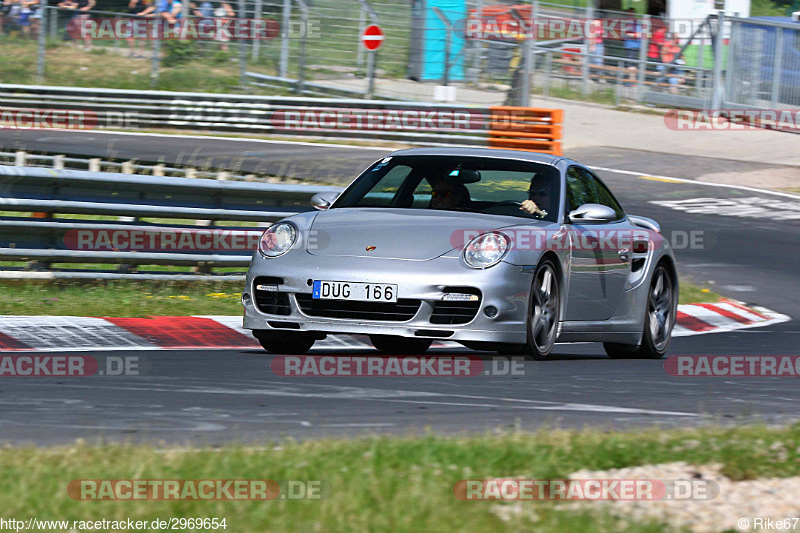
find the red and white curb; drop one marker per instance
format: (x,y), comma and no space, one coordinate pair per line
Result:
(725,315)
(73,333)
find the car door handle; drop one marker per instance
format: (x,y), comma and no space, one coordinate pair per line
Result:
(624,254)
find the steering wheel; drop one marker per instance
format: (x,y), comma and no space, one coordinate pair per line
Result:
(505,203)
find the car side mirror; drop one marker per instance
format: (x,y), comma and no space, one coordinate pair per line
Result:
(592,214)
(323,200)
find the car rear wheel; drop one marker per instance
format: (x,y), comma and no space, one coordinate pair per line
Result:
(658,322)
(392,344)
(544,306)
(285,342)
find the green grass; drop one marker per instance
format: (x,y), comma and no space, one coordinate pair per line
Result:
(154,298)
(384,483)
(120,298)
(690,293)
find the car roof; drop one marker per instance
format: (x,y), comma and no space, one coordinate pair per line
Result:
(519,155)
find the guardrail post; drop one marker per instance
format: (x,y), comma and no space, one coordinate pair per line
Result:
(127,167)
(20,158)
(94,164)
(190,173)
(223,175)
(58,162)
(158,170)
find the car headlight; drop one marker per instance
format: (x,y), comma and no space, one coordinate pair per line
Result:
(486,250)
(278,239)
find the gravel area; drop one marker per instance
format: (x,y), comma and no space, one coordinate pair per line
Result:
(768,499)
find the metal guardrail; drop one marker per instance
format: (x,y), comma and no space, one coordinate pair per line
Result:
(260,114)
(42,241)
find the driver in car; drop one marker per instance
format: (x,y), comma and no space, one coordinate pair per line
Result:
(539,198)
(448,194)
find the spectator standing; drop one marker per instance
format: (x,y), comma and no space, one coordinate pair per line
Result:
(84,6)
(36,17)
(224,11)
(139,8)
(633,44)
(11,12)
(596,46)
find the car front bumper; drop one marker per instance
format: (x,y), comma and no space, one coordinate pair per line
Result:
(504,286)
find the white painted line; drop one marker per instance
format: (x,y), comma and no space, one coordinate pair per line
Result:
(695,182)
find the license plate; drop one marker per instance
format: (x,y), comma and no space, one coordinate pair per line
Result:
(360,292)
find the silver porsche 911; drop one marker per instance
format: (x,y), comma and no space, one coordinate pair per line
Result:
(498,250)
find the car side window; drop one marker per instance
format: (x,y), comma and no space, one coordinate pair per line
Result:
(577,194)
(600,192)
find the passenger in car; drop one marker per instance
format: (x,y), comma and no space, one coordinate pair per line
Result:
(448,194)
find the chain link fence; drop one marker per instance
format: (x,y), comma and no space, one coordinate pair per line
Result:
(764,67)
(477,52)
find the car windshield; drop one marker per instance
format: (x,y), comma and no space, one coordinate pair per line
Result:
(453,183)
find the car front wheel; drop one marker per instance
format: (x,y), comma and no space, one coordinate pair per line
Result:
(544,306)
(285,342)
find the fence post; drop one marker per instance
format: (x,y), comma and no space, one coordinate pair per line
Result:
(448,27)
(156,61)
(727,92)
(644,43)
(548,70)
(257,14)
(587,43)
(53,22)
(242,51)
(362,23)
(301,67)
(776,67)
(476,49)
(283,65)
(42,44)
(716,96)
(527,58)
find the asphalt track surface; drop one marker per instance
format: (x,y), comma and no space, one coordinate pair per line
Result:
(216,396)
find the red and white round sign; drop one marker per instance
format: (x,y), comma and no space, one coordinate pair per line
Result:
(372,38)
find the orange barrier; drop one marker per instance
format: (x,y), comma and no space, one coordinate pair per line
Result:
(526,128)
